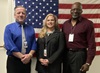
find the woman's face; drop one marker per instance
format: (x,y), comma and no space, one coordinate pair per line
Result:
(50,22)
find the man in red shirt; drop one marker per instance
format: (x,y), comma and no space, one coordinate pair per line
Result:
(80,42)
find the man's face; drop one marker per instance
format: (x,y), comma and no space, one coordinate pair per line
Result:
(20,14)
(76,11)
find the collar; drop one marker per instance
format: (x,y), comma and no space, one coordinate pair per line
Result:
(19,25)
(50,32)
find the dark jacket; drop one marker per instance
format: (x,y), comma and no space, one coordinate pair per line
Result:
(55,46)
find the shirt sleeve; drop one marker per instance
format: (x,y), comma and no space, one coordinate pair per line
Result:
(8,42)
(34,44)
(91,43)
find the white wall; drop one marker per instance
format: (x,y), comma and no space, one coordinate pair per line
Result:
(95,67)
(3,18)
(2,60)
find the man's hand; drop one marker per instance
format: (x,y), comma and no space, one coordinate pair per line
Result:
(26,58)
(84,68)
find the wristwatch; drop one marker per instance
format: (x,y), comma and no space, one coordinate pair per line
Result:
(88,64)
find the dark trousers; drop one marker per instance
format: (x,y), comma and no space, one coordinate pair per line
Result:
(14,65)
(73,61)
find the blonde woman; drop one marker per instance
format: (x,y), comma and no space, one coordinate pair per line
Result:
(50,46)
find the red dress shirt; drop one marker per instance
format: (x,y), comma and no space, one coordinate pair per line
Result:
(84,36)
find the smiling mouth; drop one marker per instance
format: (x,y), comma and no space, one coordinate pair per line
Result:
(74,16)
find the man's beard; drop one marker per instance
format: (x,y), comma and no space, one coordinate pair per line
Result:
(74,17)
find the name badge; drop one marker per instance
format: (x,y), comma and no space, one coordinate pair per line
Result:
(25,45)
(71,38)
(45,52)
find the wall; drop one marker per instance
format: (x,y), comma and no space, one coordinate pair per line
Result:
(3,18)
(2,60)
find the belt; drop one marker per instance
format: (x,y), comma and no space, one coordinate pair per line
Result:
(76,49)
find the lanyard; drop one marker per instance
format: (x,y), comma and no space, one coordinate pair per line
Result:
(46,41)
(45,49)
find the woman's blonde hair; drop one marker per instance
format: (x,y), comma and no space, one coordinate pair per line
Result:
(44,28)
